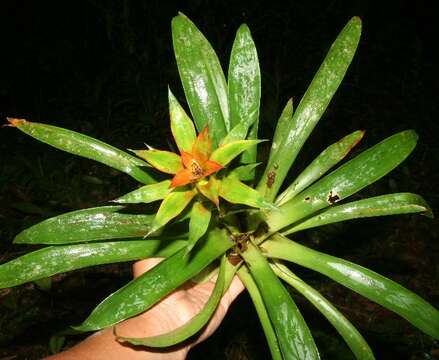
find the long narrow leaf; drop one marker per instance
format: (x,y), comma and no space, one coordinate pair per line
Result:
(295,339)
(331,156)
(258,302)
(86,225)
(53,260)
(146,194)
(196,323)
(86,146)
(311,107)
(281,131)
(203,79)
(143,292)
(244,88)
(351,177)
(344,327)
(357,278)
(244,79)
(390,204)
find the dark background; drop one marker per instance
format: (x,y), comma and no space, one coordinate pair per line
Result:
(103,67)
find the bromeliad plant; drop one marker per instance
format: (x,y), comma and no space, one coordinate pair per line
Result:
(251,230)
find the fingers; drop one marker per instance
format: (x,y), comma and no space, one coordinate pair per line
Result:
(139,267)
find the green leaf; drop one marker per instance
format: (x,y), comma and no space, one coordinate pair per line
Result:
(244,89)
(351,177)
(236,192)
(261,310)
(361,280)
(86,225)
(390,204)
(203,80)
(243,172)
(165,161)
(209,188)
(172,205)
(295,339)
(198,223)
(238,132)
(146,290)
(350,334)
(282,129)
(244,79)
(86,146)
(226,153)
(311,107)
(249,156)
(146,194)
(53,260)
(182,126)
(331,156)
(196,323)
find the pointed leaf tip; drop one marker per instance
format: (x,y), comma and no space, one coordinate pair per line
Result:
(15,122)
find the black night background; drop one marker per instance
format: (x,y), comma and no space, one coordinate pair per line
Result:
(103,67)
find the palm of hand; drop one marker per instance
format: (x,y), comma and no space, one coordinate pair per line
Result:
(178,307)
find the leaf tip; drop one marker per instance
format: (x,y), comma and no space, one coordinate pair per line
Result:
(428,213)
(13,122)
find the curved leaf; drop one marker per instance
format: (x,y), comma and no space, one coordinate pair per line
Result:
(293,335)
(146,194)
(349,178)
(143,292)
(332,155)
(53,260)
(196,323)
(312,106)
(258,302)
(85,146)
(86,225)
(390,204)
(182,126)
(361,280)
(350,334)
(203,80)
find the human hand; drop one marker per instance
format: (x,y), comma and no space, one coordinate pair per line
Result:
(179,307)
(170,313)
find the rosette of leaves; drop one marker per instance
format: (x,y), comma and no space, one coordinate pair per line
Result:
(240,229)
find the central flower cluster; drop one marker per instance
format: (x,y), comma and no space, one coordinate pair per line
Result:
(196,164)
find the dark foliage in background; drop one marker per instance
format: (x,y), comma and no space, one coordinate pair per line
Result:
(103,67)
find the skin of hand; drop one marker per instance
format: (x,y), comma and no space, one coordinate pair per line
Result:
(170,313)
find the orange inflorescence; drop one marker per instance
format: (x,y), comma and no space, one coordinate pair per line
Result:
(196,165)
